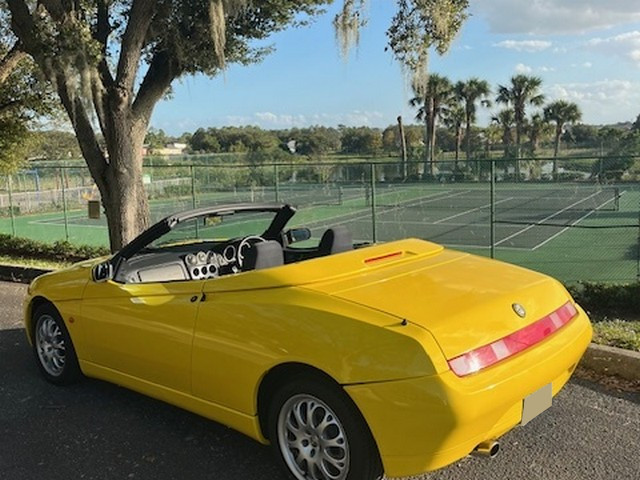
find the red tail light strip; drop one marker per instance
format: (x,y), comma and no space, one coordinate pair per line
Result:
(483,357)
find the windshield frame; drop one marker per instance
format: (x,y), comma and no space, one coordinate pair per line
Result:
(283,213)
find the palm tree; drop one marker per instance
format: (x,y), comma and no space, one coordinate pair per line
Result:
(454,119)
(523,91)
(561,112)
(469,92)
(432,102)
(505,119)
(536,128)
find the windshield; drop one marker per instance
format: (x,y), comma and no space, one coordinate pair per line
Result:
(216,228)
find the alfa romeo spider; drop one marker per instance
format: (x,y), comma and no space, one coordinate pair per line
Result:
(349,359)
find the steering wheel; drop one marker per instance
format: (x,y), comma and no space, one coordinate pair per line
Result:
(246,242)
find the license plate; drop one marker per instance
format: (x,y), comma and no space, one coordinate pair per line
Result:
(535,404)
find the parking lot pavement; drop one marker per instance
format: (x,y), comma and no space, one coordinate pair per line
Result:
(11,295)
(96,430)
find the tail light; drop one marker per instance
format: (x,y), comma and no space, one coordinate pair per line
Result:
(483,357)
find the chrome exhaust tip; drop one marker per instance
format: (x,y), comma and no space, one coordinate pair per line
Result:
(487,449)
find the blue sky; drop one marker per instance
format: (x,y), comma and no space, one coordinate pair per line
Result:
(586,51)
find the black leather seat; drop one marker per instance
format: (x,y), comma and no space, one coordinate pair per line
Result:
(335,240)
(263,255)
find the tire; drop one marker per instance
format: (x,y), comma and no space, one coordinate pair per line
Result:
(52,347)
(342,449)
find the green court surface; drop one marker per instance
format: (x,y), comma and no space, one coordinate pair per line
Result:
(571,231)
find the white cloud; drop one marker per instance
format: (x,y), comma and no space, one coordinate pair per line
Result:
(285,120)
(522,68)
(605,101)
(547,69)
(524,45)
(556,16)
(625,45)
(582,65)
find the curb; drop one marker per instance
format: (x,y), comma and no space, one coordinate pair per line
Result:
(14,273)
(600,359)
(612,361)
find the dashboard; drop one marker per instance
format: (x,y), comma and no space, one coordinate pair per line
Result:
(210,264)
(199,261)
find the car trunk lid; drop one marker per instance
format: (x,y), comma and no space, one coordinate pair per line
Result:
(465,301)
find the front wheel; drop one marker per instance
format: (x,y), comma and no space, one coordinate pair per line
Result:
(52,347)
(317,433)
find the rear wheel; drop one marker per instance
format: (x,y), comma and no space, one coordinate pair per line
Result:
(52,347)
(317,433)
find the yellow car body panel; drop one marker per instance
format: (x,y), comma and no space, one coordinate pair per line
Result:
(427,423)
(145,332)
(238,341)
(453,288)
(64,288)
(382,321)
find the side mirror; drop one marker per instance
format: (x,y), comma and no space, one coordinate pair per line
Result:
(297,235)
(102,272)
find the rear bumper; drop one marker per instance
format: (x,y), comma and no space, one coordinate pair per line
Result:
(427,423)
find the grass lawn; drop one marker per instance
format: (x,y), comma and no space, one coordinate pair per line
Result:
(618,333)
(31,262)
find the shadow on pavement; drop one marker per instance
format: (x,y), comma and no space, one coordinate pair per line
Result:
(629,396)
(95,430)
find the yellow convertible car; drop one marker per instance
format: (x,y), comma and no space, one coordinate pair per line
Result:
(350,360)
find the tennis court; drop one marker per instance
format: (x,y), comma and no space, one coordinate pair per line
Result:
(572,231)
(455,215)
(460,216)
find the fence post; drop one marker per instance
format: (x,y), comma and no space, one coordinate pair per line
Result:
(193,195)
(11,214)
(493,208)
(64,205)
(193,186)
(638,250)
(277,182)
(372,189)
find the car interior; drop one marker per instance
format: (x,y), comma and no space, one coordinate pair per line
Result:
(205,258)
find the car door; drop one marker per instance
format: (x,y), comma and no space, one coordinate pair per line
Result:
(143,330)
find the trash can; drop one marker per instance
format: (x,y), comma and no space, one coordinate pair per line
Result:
(94,209)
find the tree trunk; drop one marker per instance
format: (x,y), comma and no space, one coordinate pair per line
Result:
(124,198)
(518,137)
(118,178)
(556,149)
(432,146)
(428,114)
(403,144)
(458,144)
(10,61)
(468,132)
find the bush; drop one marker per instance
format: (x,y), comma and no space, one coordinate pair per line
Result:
(60,251)
(608,301)
(6,211)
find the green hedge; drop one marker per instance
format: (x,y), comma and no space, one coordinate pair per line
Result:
(608,301)
(58,252)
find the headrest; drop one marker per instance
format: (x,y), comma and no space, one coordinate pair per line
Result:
(335,240)
(263,255)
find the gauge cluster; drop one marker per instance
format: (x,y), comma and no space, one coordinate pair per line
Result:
(203,265)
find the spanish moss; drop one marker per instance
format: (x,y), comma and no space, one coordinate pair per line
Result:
(347,25)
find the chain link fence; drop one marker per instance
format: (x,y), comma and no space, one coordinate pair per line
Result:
(576,218)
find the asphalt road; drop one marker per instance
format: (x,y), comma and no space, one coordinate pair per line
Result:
(95,430)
